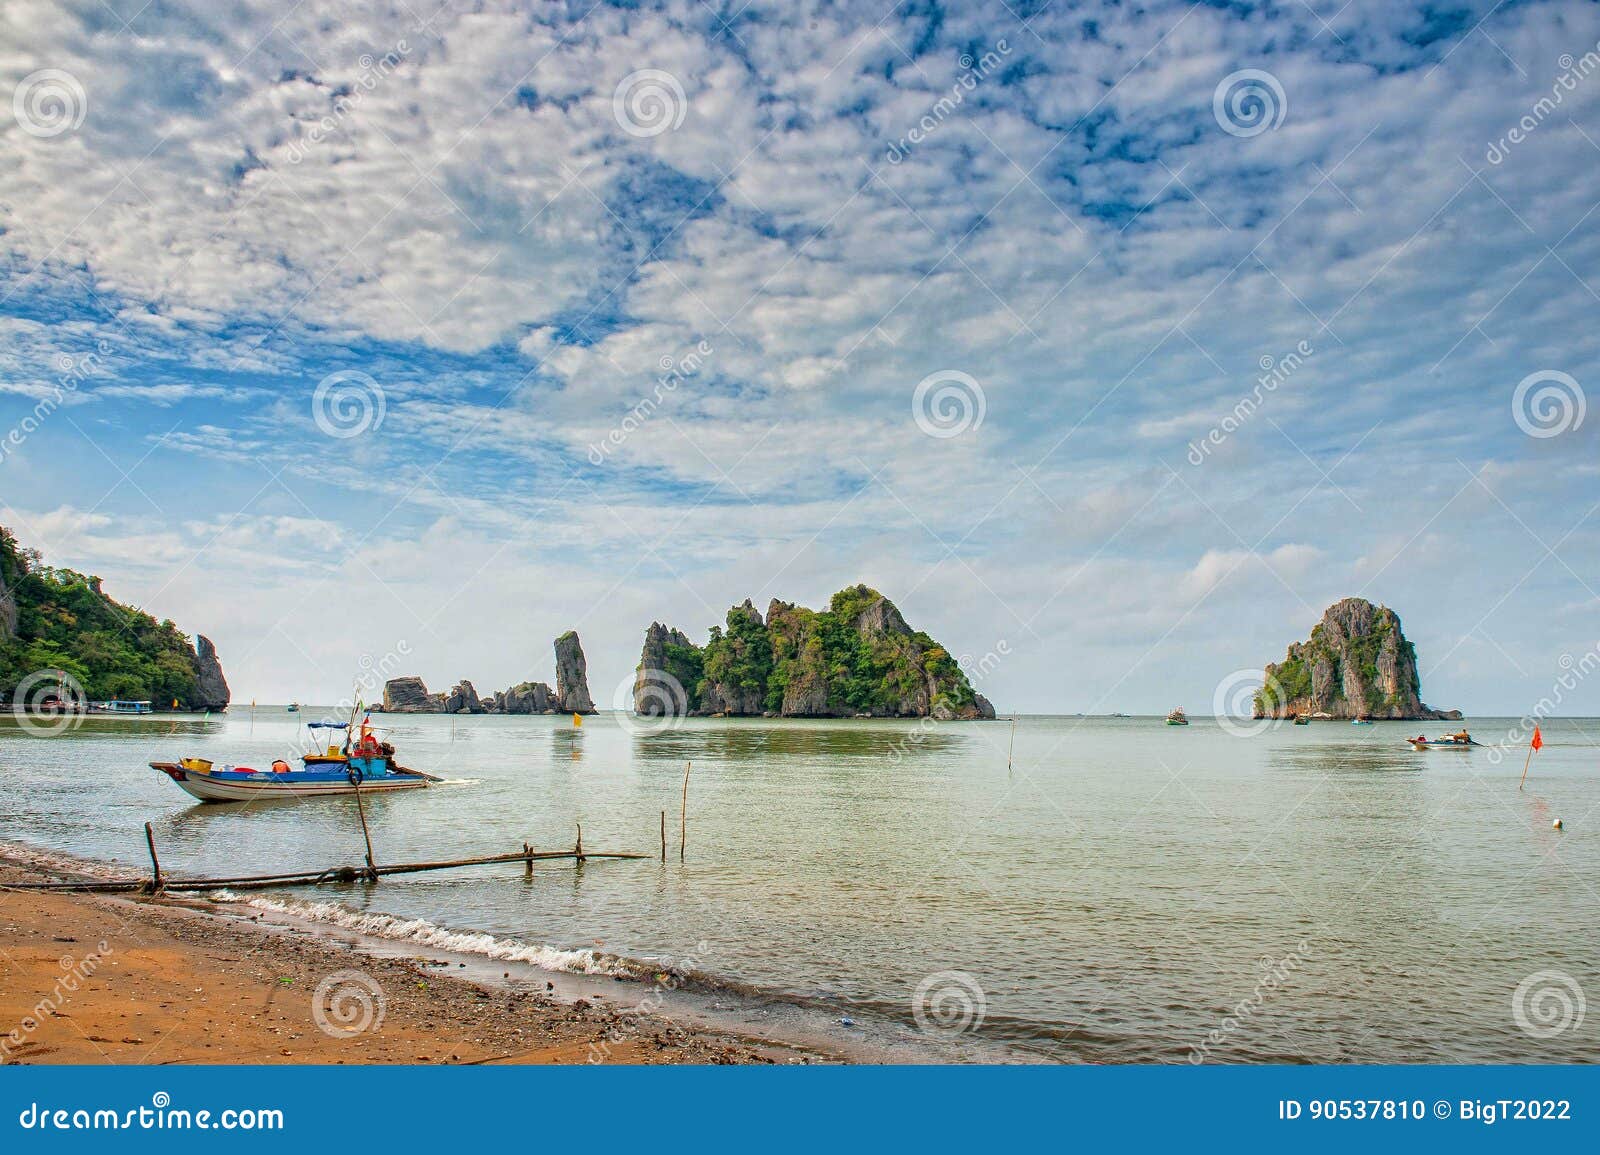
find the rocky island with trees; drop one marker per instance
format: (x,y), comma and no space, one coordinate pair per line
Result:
(857,658)
(1356,664)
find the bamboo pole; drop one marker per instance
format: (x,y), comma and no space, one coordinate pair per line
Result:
(366,835)
(1525,763)
(577,851)
(527,852)
(155,863)
(683,818)
(1012,745)
(311,877)
(663,836)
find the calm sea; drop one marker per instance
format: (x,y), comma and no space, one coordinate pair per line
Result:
(1126,891)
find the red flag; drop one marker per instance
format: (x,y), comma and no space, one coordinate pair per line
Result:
(1538,739)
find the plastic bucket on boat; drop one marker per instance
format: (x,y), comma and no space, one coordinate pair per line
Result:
(198,765)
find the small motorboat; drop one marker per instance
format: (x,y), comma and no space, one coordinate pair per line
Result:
(1178,718)
(1361,721)
(292,708)
(367,766)
(1461,740)
(1301,720)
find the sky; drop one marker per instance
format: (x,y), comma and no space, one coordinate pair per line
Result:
(1113,342)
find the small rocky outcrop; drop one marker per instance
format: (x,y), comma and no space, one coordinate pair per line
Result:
(523,698)
(211,688)
(572,676)
(410,696)
(462,699)
(857,658)
(1356,664)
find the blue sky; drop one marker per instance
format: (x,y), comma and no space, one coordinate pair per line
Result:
(727,244)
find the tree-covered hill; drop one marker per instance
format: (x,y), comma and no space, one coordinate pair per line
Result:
(59,619)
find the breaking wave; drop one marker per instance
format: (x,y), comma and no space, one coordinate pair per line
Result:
(424,933)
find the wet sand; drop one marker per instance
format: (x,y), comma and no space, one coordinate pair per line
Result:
(99,979)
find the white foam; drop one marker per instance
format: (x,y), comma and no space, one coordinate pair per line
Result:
(424,933)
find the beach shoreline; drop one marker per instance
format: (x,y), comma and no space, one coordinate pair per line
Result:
(111,979)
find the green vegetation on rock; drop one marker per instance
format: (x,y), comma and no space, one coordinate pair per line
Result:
(856,657)
(58,619)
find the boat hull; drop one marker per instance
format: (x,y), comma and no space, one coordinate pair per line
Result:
(234,787)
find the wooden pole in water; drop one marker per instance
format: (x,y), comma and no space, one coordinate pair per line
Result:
(155,863)
(663,836)
(1012,745)
(683,815)
(366,835)
(577,851)
(528,851)
(1525,762)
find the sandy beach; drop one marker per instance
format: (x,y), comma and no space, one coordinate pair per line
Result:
(94,979)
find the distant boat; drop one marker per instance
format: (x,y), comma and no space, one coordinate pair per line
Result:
(1121,715)
(368,765)
(1177,718)
(1361,721)
(1301,720)
(120,706)
(292,708)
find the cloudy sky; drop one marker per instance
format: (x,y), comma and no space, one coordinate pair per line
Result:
(1118,340)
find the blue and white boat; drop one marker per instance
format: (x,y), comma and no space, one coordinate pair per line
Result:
(367,765)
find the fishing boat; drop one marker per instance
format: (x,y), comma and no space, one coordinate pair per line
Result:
(1461,740)
(1178,718)
(1361,721)
(1301,720)
(367,765)
(292,708)
(120,706)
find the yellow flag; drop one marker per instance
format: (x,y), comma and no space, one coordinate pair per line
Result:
(577,721)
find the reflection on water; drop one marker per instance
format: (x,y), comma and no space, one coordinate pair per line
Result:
(1118,895)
